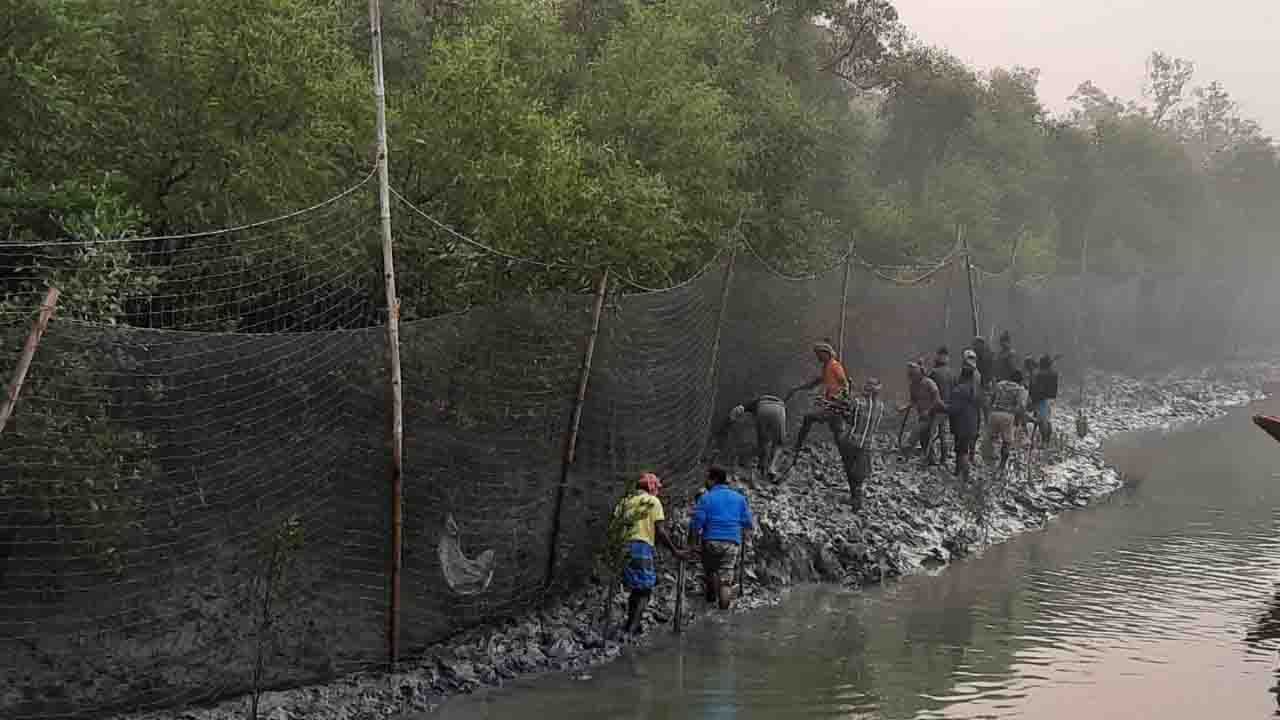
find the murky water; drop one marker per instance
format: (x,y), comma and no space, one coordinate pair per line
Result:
(1161,604)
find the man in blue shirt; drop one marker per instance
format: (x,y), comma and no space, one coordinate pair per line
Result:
(721,520)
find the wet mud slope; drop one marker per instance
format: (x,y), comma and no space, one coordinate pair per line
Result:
(914,519)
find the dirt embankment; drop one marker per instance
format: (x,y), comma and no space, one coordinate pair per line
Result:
(914,519)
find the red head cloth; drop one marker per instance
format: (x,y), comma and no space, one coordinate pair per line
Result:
(650,483)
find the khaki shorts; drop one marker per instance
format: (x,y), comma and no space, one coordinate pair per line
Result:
(721,558)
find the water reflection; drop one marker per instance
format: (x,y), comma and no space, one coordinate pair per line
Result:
(1133,609)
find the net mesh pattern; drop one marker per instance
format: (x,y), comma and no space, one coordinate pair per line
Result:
(194,493)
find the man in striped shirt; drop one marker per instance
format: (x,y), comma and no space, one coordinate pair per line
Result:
(857,442)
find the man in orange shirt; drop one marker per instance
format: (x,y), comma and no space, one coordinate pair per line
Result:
(835,390)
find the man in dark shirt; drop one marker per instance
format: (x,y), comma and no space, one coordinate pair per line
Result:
(1006,360)
(945,378)
(1044,389)
(963,412)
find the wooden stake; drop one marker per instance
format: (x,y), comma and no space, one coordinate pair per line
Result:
(28,352)
(968,266)
(393,339)
(844,299)
(571,439)
(678,620)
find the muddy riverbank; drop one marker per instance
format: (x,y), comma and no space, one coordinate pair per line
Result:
(914,520)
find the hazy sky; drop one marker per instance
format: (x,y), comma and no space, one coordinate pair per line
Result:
(1108,41)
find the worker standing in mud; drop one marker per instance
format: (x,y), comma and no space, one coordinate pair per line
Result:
(1006,360)
(645,526)
(1028,370)
(945,378)
(962,409)
(1044,390)
(1008,412)
(835,388)
(770,414)
(983,360)
(858,442)
(927,401)
(722,521)
(971,360)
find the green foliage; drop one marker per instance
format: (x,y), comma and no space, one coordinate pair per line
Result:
(599,132)
(68,453)
(279,550)
(611,556)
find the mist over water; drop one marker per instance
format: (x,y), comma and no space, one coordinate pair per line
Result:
(1161,603)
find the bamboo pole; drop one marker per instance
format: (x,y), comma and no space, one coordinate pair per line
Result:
(28,352)
(968,267)
(844,299)
(571,439)
(393,339)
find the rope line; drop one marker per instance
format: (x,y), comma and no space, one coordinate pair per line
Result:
(205,233)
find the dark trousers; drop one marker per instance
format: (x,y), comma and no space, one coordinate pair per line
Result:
(857,468)
(821,415)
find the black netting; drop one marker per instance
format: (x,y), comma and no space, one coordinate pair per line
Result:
(895,320)
(194,490)
(488,395)
(649,404)
(153,484)
(770,328)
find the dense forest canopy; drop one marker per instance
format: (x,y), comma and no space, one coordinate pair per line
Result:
(637,134)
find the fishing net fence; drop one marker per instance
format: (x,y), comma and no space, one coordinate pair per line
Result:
(194,495)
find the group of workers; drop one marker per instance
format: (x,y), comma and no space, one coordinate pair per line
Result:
(720,526)
(990,390)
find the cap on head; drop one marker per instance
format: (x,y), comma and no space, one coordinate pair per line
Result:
(649,483)
(824,347)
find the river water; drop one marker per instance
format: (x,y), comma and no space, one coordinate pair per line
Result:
(1161,603)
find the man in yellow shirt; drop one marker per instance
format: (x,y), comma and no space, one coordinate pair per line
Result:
(645,525)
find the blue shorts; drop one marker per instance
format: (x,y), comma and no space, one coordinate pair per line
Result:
(640,572)
(1044,410)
